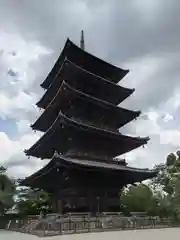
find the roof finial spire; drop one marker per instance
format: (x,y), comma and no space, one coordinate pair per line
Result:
(82,45)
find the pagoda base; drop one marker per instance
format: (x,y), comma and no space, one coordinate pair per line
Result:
(86,200)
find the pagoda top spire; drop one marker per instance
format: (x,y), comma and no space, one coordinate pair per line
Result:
(82,43)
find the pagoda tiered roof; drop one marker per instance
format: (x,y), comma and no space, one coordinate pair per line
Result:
(86,82)
(69,100)
(87,61)
(66,132)
(57,170)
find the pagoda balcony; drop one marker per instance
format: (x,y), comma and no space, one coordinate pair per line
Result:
(86,82)
(88,62)
(84,108)
(65,134)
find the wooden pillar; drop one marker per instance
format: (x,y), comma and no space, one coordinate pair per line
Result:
(60,206)
(54,203)
(105,202)
(90,200)
(57,204)
(101,201)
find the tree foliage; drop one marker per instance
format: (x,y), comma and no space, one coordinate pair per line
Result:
(162,196)
(7,191)
(169,179)
(134,196)
(32,201)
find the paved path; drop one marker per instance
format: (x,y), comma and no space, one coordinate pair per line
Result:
(151,234)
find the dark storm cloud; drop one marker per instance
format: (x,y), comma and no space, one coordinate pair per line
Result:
(12,73)
(163,81)
(118,31)
(126,29)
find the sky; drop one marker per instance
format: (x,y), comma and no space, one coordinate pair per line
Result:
(143,36)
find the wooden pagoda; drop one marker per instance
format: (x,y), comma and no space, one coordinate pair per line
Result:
(81,122)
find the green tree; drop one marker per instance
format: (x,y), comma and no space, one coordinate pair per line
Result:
(138,199)
(7,191)
(32,201)
(169,174)
(168,181)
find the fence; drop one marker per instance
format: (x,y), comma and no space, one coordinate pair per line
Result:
(81,224)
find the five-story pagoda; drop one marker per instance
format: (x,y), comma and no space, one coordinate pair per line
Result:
(81,122)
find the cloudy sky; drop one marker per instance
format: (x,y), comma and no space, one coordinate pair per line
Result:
(143,36)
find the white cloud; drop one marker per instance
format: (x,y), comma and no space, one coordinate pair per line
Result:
(16,106)
(17,100)
(170,137)
(8,147)
(167,117)
(17,96)
(162,140)
(23,126)
(12,154)
(173,103)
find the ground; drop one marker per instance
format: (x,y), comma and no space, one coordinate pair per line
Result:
(164,234)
